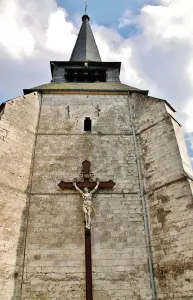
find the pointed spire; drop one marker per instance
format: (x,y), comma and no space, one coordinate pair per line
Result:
(85,48)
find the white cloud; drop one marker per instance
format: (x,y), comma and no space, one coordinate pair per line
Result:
(169,21)
(113,47)
(17,41)
(167,32)
(56,40)
(28,43)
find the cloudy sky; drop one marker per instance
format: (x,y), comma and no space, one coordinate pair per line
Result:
(152,38)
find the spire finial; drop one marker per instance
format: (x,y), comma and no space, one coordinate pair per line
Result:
(85,48)
(86,6)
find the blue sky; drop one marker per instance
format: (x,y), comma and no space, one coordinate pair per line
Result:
(104,13)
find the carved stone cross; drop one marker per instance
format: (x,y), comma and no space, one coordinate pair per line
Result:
(87,182)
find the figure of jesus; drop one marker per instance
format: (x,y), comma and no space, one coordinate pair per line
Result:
(87,201)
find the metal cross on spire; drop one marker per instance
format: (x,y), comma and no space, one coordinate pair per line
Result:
(86,6)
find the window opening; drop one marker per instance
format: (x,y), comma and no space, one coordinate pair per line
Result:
(85,75)
(87,124)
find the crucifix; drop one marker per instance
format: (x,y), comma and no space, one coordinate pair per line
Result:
(87,183)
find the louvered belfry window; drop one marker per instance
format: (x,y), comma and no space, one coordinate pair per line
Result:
(85,75)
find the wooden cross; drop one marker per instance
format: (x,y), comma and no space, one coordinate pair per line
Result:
(88,182)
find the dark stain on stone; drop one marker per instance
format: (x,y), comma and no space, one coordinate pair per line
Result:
(37,256)
(156,231)
(137,297)
(146,268)
(15,274)
(147,166)
(105,236)
(144,151)
(163,198)
(161,216)
(61,158)
(174,268)
(148,178)
(190,206)
(120,277)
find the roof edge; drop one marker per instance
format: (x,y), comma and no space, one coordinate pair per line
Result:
(27,91)
(142,92)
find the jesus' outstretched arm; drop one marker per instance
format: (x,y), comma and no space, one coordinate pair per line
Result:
(77,188)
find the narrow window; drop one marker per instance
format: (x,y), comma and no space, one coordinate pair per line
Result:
(87,124)
(2,109)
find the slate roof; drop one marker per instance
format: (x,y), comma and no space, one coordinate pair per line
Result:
(96,86)
(85,48)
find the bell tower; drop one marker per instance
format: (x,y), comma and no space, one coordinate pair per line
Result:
(85,64)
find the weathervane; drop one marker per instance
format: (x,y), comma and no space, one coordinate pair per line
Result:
(86,6)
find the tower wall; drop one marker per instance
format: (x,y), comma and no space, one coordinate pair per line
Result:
(55,258)
(17,134)
(168,189)
(125,130)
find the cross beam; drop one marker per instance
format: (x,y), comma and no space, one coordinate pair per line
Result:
(87,182)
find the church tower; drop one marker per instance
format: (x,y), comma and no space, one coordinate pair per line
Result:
(86,137)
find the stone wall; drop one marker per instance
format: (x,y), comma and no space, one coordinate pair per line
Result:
(17,132)
(169,196)
(55,258)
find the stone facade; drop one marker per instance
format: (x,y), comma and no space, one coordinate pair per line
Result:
(17,136)
(55,261)
(167,185)
(132,136)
